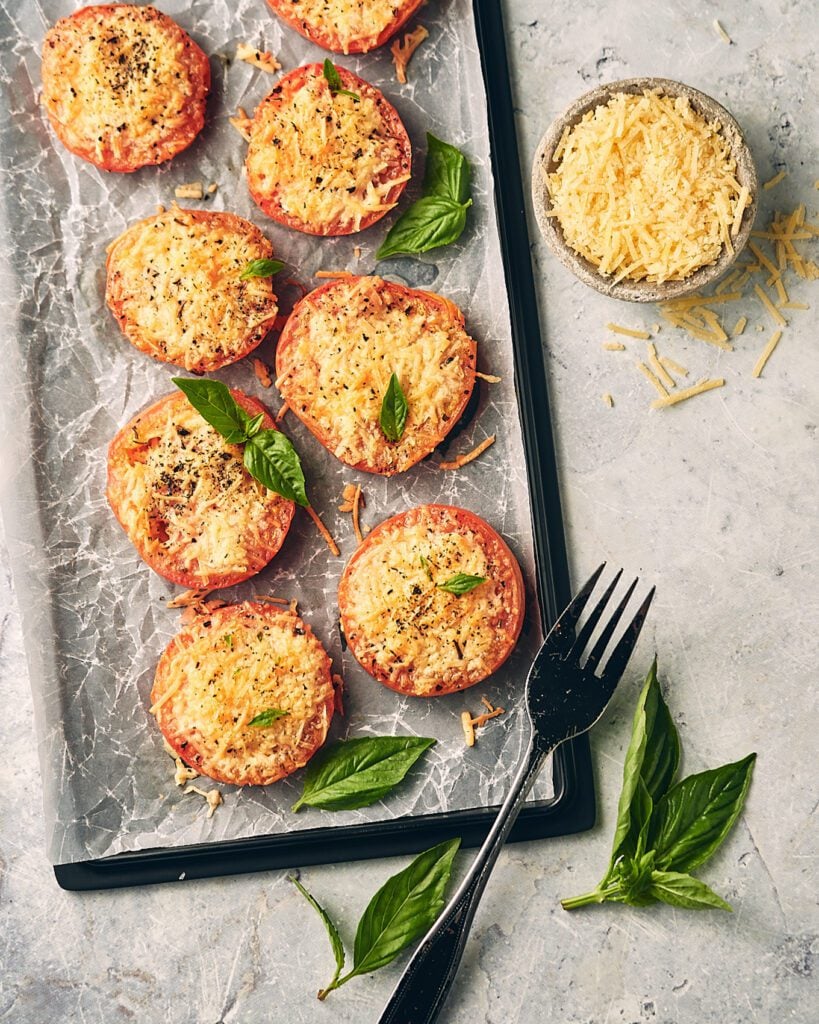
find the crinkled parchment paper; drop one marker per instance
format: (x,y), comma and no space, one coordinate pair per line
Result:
(95,616)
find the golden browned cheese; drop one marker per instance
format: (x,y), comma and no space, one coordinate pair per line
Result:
(186,501)
(174,283)
(346,26)
(322,163)
(228,668)
(404,628)
(338,351)
(123,86)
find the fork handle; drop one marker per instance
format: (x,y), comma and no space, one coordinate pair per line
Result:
(427,979)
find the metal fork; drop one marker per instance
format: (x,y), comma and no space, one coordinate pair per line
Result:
(563,699)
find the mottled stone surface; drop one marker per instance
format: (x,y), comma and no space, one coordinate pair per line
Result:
(714,501)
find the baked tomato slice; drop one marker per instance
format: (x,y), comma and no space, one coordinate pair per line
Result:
(432,601)
(346,26)
(326,163)
(338,351)
(185,500)
(174,283)
(244,694)
(123,86)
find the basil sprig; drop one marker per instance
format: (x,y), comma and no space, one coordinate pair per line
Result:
(335,83)
(269,456)
(665,829)
(355,773)
(461,583)
(439,217)
(401,911)
(261,268)
(394,408)
(267,717)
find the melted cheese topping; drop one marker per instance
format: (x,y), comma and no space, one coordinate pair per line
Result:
(225,670)
(419,637)
(349,25)
(645,188)
(325,160)
(191,499)
(345,341)
(174,285)
(118,78)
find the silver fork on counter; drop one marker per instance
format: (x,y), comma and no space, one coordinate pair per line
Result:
(564,698)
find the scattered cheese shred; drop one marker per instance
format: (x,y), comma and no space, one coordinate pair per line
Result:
(774,181)
(739,326)
(189,598)
(766,302)
(681,396)
(469,731)
(795,305)
(322,529)
(781,292)
(649,376)
(490,378)
(270,599)
(331,275)
(241,122)
(183,773)
(353,502)
(659,369)
(262,371)
(212,187)
(470,724)
(403,50)
(721,32)
(628,331)
(282,412)
(258,58)
(773,341)
(463,460)
(213,797)
(646,188)
(608,400)
(673,367)
(614,346)
(193,190)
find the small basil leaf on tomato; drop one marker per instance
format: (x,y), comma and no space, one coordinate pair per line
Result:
(394,408)
(213,401)
(334,81)
(261,268)
(461,583)
(267,717)
(272,460)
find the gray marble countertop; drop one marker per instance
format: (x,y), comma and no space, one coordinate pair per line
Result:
(714,500)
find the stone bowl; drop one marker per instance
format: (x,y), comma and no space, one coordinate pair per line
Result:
(641,291)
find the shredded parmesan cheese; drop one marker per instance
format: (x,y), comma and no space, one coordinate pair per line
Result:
(258,58)
(322,529)
(463,460)
(262,371)
(183,773)
(766,302)
(331,275)
(193,190)
(608,400)
(470,724)
(739,326)
(629,332)
(614,346)
(659,369)
(189,598)
(241,122)
(490,378)
(773,341)
(402,51)
(646,189)
(649,376)
(721,32)
(774,181)
(681,396)
(669,364)
(213,797)
(469,732)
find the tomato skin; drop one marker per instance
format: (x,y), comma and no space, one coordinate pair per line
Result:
(112,148)
(123,294)
(447,517)
(188,744)
(403,10)
(281,95)
(277,519)
(385,463)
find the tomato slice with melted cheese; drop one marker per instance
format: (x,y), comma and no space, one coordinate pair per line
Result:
(346,26)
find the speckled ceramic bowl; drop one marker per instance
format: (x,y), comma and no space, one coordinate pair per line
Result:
(641,291)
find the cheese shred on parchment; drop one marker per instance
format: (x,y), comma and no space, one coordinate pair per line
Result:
(646,189)
(773,341)
(681,396)
(402,51)
(322,529)
(470,724)
(463,460)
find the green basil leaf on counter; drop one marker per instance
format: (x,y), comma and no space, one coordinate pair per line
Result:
(695,816)
(271,458)
(431,222)
(213,401)
(681,890)
(393,417)
(335,83)
(335,939)
(355,773)
(461,583)
(267,717)
(261,268)
(255,425)
(446,172)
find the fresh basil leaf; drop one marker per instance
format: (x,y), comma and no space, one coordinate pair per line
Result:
(213,401)
(694,817)
(461,583)
(402,909)
(267,717)
(254,425)
(261,268)
(335,939)
(641,810)
(681,890)
(335,83)
(425,566)
(652,757)
(273,461)
(394,410)
(355,773)
(431,222)
(633,881)
(446,172)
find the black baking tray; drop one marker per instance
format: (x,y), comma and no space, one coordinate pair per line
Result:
(572,809)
